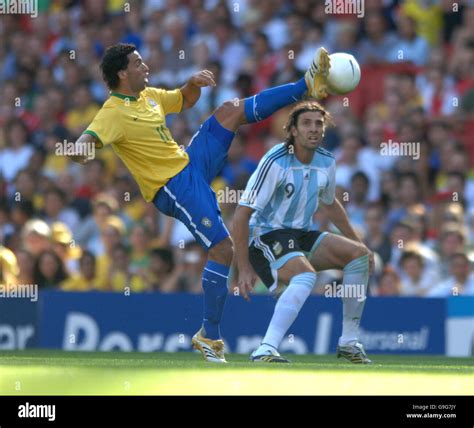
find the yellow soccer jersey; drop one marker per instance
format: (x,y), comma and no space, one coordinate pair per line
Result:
(137,130)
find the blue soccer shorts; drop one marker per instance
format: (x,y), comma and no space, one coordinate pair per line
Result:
(188,195)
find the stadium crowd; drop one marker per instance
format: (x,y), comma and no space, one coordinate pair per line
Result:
(88,228)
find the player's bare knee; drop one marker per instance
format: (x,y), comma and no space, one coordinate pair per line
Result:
(230,114)
(223,252)
(292,268)
(359,250)
(228,108)
(305,269)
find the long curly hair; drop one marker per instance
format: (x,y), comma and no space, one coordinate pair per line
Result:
(302,107)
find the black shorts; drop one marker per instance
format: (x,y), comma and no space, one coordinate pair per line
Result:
(271,251)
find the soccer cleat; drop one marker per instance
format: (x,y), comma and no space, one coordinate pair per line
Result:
(317,74)
(268,356)
(211,350)
(353,353)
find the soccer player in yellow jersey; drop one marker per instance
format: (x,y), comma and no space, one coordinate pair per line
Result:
(178,181)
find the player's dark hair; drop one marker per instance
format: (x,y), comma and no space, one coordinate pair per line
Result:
(114,60)
(300,108)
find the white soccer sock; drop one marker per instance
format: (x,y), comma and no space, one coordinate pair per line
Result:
(288,307)
(356,275)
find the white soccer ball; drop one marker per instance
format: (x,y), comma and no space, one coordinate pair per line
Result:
(344,74)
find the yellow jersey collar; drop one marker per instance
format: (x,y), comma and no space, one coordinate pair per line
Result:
(123,97)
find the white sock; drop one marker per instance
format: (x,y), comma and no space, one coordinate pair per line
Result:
(265,349)
(356,275)
(288,307)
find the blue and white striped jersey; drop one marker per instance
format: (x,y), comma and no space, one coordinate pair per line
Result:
(285,193)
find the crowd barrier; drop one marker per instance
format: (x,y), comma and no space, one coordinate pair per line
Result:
(96,321)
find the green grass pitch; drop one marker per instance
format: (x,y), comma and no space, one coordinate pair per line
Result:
(46,372)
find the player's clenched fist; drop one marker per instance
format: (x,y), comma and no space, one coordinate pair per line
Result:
(203,78)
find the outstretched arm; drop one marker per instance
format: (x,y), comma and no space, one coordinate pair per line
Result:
(84,147)
(192,89)
(240,236)
(338,216)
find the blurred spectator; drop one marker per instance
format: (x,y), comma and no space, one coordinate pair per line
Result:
(55,209)
(464,32)
(190,262)
(409,46)
(452,18)
(228,50)
(17,153)
(129,203)
(405,236)
(440,135)
(377,42)
(82,112)
(428,17)
(24,186)
(347,160)
(438,92)
(454,160)
(176,46)
(119,274)
(65,246)
(347,38)
(36,236)
(26,265)
(461,280)
(263,63)
(88,234)
(85,279)
(416,281)
(139,241)
(6,227)
(372,162)
(470,229)
(67,182)
(93,179)
(456,185)
(273,24)
(357,203)
(238,164)
(408,196)
(418,219)
(410,96)
(375,238)
(162,275)
(389,285)
(111,234)
(49,270)
(451,241)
